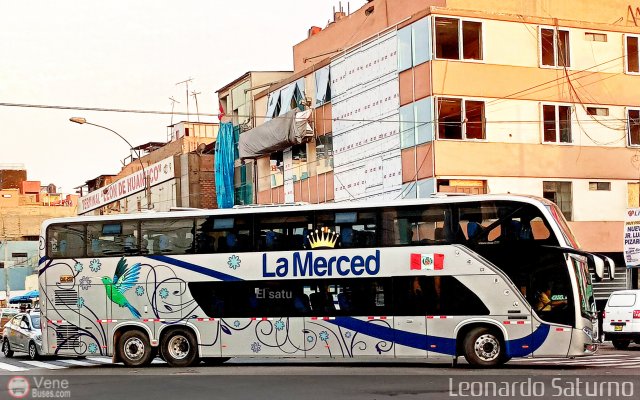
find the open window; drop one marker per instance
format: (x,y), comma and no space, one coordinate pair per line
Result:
(632,55)
(458,40)
(460,119)
(554,47)
(633,128)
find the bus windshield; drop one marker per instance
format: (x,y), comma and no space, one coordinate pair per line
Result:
(564,227)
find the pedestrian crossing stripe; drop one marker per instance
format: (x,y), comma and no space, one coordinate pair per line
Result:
(12,368)
(40,364)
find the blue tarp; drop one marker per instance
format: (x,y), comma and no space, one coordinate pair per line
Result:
(25,298)
(224,158)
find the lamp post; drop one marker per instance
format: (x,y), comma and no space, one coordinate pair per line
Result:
(82,121)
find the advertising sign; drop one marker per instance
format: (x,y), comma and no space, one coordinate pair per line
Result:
(632,238)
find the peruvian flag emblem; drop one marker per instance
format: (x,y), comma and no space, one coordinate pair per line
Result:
(432,262)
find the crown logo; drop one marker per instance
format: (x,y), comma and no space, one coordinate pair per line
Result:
(324,238)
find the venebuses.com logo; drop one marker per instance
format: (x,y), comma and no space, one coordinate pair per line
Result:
(20,387)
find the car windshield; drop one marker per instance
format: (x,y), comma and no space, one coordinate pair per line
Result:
(35,321)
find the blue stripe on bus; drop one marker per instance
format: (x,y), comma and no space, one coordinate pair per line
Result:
(195,268)
(533,341)
(442,345)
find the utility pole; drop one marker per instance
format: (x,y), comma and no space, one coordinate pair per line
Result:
(186,82)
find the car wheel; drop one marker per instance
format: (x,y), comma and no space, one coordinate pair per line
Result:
(134,349)
(621,344)
(179,348)
(33,351)
(6,350)
(484,348)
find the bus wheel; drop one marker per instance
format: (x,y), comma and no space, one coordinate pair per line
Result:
(621,344)
(179,348)
(6,350)
(134,349)
(483,348)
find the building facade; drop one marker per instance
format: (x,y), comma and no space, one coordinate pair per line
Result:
(415,97)
(178,173)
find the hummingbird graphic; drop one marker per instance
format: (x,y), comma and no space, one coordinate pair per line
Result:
(123,279)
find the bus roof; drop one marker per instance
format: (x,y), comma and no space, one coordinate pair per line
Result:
(298,207)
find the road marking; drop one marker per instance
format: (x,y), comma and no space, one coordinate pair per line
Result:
(77,362)
(40,364)
(104,360)
(12,368)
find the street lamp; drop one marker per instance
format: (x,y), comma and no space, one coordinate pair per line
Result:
(82,121)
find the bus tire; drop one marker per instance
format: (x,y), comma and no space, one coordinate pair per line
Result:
(215,360)
(484,348)
(134,349)
(179,348)
(621,344)
(6,349)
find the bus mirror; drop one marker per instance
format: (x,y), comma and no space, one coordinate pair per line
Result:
(598,267)
(611,267)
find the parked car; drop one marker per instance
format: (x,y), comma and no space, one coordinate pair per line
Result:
(5,315)
(22,333)
(621,318)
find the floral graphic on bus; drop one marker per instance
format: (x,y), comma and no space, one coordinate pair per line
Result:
(164,293)
(94,265)
(80,302)
(78,267)
(255,347)
(93,348)
(85,281)
(279,325)
(234,262)
(324,336)
(139,290)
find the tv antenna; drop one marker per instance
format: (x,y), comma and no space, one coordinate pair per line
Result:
(186,82)
(173,103)
(195,96)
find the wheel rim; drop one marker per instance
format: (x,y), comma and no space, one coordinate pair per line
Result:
(134,349)
(5,347)
(32,350)
(179,347)
(487,347)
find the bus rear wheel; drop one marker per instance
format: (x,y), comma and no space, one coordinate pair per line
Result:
(179,348)
(134,349)
(484,348)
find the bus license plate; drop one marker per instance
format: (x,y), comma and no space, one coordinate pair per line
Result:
(617,328)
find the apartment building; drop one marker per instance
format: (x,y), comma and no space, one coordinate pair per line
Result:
(414,97)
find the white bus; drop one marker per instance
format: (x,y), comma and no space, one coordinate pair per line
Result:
(486,277)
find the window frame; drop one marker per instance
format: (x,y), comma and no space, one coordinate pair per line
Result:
(557,123)
(463,115)
(555,30)
(628,128)
(461,21)
(626,54)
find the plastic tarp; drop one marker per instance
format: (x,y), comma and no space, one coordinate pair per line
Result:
(224,166)
(277,134)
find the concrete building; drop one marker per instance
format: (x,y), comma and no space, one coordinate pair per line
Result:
(178,173)
(237,106)
(413,97)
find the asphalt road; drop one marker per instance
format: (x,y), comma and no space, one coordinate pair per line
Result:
(316,379)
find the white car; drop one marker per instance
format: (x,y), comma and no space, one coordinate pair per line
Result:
(621,318)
